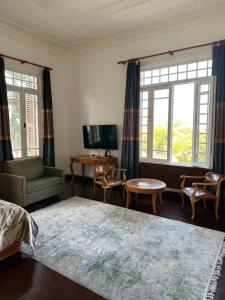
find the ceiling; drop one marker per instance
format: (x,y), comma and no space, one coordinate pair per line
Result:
(68,23)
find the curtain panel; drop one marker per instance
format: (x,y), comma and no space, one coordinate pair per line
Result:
(48,139)
(130,143)
(5,141)
(218,70)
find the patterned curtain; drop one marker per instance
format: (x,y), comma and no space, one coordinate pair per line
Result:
(48,142)
(130,145)
(5,141)
(218,70)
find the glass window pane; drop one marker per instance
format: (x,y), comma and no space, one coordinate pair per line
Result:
(182,68)
(164,71)
(160,125)
(155,72)
(182,76)
(192,66)
(15,123)
(204,88)
(173,77)
(202,138)
(203,109)
(203,119)
(144,121)
(191,74)
(204,98)
(144,112)
(144,137)
(164,78)
(32,124)
(144,95)
(164,93)
(144,104)
(202,64)
(155,79)
(202,158)
(202,73)
(183,123)
(144,153)
(173,70)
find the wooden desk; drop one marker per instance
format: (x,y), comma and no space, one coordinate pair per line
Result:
(90,160)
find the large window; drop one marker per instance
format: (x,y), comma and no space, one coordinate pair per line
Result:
(23,102)
(176,114)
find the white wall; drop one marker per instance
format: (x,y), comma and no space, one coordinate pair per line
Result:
(97,82)
(21,45)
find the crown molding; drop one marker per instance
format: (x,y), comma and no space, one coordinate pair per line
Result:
(145,32)
(22,35)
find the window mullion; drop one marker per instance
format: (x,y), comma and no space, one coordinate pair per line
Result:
(23,125)
(170,124)
(150,123)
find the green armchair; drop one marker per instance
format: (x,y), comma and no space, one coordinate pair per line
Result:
(25,181)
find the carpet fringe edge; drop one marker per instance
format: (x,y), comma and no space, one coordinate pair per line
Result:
(216,273)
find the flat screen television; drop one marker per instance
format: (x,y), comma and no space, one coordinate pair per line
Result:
(100,136)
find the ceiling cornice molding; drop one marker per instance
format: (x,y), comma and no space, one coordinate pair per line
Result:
(144,32)
(30,38)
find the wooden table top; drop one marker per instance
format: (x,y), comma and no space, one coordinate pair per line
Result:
(145,184)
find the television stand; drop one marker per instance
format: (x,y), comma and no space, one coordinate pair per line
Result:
(90,160)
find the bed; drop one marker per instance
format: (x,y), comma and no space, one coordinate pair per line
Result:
(16,226)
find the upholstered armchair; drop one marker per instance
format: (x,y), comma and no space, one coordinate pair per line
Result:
(109,178)
(25,181)
(207,189)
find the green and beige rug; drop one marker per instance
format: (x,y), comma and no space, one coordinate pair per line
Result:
(124,254)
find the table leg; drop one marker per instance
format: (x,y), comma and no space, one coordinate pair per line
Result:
(160,198)
(128,199)
(154,199)
(72,173)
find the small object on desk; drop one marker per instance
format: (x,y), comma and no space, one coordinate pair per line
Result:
(108,153)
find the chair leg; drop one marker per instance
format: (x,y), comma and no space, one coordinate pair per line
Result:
(204,204)
(182,198)
(193,208)
(105,192)
(124,191)
(160,198)
(94,189)
(217,208)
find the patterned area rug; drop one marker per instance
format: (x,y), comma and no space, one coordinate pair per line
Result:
(124,254)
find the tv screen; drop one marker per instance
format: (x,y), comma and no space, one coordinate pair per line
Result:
(100,136)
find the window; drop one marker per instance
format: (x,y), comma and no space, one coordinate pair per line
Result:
(22,90)
(176,114)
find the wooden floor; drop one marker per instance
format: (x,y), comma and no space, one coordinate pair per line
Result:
(22,278)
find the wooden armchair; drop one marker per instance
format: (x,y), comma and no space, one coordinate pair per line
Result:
(108,180)
(200,190)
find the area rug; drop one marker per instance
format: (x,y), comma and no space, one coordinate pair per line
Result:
(124,254)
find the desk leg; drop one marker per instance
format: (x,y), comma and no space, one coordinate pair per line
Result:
(83,173)
(128,199)
(72,173)
(154,199)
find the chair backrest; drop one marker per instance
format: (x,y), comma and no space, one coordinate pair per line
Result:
(31,168)
(101,169)
(216,178)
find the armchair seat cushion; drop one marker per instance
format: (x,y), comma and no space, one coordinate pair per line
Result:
(200,193)
(42,183)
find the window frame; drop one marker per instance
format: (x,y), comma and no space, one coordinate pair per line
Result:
(170,85)
(23,91)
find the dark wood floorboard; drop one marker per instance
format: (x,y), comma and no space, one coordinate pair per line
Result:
(24,278)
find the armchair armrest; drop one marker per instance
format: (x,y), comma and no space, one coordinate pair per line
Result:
(184,177)
(13,188)
(196,184)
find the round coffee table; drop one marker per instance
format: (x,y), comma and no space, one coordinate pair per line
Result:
(145,186)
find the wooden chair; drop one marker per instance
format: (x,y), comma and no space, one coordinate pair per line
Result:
(200,190)
(108,180)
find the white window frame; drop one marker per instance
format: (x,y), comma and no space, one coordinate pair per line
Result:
(22,91)
(170,85)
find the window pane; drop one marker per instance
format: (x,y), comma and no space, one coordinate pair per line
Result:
(32,125)
(160,124)
(15,123)
(183,123)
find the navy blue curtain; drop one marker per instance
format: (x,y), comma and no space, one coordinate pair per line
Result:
(218,70)
(130,144)
(48,141)
(5,141)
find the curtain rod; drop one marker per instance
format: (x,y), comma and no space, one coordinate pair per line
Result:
(22,61)
(170,52)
